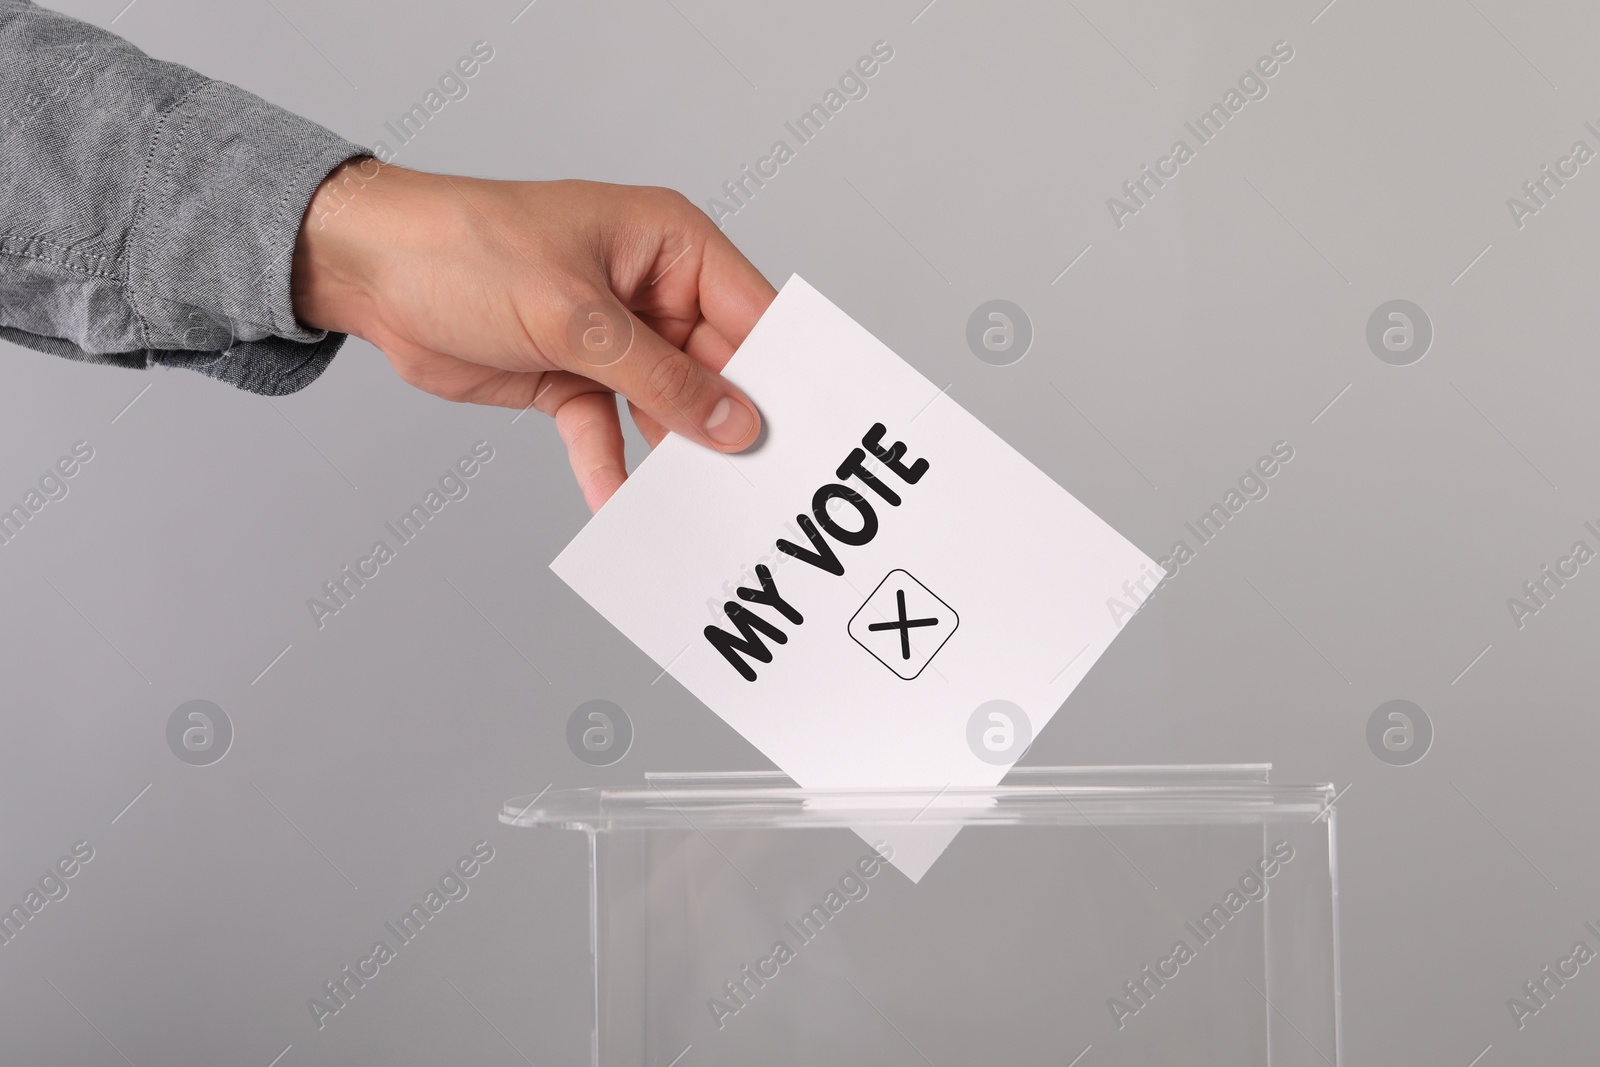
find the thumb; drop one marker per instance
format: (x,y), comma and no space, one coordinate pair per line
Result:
(608,343)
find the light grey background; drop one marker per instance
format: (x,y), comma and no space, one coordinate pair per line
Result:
(1222,318)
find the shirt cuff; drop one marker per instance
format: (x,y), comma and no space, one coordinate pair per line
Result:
(223,193)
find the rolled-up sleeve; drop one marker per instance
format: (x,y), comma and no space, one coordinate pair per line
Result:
(148,214)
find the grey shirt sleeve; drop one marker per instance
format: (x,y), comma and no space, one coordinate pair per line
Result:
(148,214)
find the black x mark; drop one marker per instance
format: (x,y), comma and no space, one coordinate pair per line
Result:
(904,624)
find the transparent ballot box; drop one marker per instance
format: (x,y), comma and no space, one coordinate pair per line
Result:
(1079,916)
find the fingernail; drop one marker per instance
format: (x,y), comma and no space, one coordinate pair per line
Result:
(730,422)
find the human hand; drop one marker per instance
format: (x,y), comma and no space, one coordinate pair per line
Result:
(557,295)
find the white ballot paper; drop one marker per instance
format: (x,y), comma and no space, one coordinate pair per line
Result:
(881,593)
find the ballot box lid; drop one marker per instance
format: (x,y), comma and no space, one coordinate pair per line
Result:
(1053,795)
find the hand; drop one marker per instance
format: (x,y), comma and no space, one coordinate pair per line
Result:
(557,295)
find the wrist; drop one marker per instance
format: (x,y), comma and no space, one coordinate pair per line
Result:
(347,225)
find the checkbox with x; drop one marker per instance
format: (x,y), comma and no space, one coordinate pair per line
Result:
(903,624)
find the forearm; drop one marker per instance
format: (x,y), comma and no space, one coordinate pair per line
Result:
(147,213)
